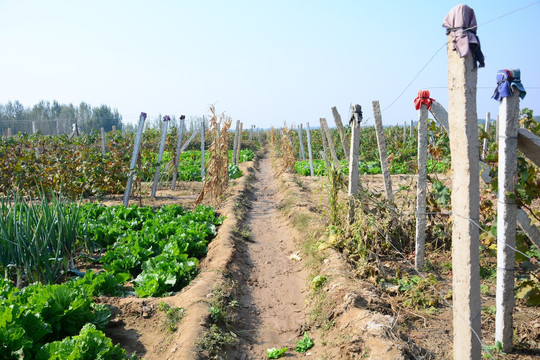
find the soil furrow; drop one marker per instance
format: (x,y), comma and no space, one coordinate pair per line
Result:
(271,283)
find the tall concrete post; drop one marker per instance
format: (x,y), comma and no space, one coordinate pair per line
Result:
(203,130)
(381,142)
(353,160)
(420,242)
(463,123)
(506,219)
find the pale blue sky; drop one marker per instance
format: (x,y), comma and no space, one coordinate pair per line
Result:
(263,62)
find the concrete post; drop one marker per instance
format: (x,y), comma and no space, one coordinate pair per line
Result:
(342,134)
(9,132)
(421,188)
(324,126)
(178,151)
(160,154)
(235,144)
(302,153)
(463,122)
(325,147)
(202,150)
(353,163)
(529,145)
(411,129)
(485,143)
(103,149)
(251,133)
(404,131)
(34,130)
(309,150)
(113,128)
(134,158)
(506,219)
(239,145)
(381,142)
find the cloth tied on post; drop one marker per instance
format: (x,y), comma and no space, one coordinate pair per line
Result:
(423,98)
(460,22)
(355,109)
(506,80)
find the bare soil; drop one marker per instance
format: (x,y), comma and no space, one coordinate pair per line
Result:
(272,280)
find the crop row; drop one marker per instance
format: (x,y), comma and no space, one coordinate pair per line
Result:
(79,168)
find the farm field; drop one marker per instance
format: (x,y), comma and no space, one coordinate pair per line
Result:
(271,267)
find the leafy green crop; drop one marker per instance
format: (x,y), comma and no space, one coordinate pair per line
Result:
(305,344)
(38,314)
(90,344)
(275,353)
(160,249)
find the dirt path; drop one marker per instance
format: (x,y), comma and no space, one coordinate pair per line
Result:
(272,285)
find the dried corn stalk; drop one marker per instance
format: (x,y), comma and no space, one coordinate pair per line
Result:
(287,151)
(217,168)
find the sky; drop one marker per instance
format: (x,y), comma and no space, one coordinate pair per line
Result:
(265,63)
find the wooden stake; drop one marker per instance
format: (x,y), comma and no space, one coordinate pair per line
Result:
(309,150)
(134,158)
(506,219)
(421,188)
(178,151)
(324,126)
(302,154)
(463,121)
(342,134)
(381,142)
(160,154)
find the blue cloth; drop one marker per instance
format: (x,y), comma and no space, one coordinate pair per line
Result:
(506,80)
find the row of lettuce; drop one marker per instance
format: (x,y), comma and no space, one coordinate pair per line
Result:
(47,307)
(80,168)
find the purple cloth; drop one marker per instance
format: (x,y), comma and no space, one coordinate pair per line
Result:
(507,79)
(460,22)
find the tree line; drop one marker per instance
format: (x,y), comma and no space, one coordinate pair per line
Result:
(54,118)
